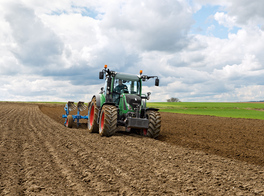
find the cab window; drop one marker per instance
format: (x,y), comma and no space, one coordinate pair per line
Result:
(126,86)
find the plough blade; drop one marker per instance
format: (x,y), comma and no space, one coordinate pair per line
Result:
(71,106)
(81,106)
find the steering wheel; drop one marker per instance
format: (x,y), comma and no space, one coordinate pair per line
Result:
(117,92)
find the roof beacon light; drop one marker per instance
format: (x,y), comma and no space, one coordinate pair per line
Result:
(105,66)
(140,72)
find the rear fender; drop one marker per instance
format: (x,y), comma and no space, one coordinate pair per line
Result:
(152,109)
(143,113)
(100,100)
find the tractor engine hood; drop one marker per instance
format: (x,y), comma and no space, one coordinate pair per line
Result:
(133,100)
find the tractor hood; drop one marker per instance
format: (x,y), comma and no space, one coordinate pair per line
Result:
(133,100)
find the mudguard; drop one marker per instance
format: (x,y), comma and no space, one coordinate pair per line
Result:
(99,100)
(152,109)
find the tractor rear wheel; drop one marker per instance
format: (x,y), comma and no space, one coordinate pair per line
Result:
(92,118)
(154,125)
(108,121)
(69,121)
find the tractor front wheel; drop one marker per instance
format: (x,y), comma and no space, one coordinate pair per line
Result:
(92,118)
(154,125)
(69,121)
(108,121)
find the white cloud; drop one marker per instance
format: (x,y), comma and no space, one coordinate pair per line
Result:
(245,12)
(36,45)
(249,67)
(55,49)
(225,20)
(211,67)
(154,25)
(244,93)
(37,88)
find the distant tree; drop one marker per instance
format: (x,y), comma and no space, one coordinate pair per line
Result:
(173,99)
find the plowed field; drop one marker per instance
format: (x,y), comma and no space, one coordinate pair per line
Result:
(194,155)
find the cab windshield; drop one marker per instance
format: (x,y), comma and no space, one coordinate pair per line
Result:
(126,86)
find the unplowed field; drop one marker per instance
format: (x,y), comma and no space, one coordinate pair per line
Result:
(194,155)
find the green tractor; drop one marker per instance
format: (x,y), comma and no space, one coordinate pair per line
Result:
(122,104)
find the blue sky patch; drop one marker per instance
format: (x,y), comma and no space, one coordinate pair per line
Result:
(87,12)
(205,24)
(84,11)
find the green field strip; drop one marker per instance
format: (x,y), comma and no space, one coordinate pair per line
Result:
(234,110)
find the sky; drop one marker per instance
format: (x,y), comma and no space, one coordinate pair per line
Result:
(201,50)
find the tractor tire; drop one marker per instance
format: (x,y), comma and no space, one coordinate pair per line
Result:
(69,121)
(108,121)
(154,125)
(92,118)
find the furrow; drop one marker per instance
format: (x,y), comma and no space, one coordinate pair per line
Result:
(12,163)
(62,159)
(46,175)
(101,172)
(121,173)
(93,169)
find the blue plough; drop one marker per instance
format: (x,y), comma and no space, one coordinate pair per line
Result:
(70,106)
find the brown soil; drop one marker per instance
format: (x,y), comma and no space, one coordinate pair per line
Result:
(194,155)
(240,139)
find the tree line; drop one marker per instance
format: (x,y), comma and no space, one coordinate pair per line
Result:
(173,99)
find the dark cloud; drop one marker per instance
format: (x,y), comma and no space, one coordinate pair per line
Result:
(36,44)
(150,25)
(247,10)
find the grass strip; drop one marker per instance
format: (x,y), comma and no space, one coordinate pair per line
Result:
(249,110)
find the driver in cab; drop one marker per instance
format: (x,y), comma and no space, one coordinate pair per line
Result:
(121,88)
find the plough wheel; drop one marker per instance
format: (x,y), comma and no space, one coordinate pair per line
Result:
(92,118)
(108,121)
(69,121)
(154,125)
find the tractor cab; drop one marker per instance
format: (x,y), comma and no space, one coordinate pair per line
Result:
(122,83)
(126,92)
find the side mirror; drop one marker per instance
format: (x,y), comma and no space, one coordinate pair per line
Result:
(101,75)
(102,90)
(157,82)
(148,95)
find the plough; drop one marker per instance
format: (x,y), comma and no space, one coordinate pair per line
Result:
(70,106)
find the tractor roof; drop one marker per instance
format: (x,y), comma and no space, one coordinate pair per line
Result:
(124,76)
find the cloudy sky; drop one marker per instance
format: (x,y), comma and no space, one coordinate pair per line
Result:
(202,50)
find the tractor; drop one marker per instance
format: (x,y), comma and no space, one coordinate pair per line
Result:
(122,104)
